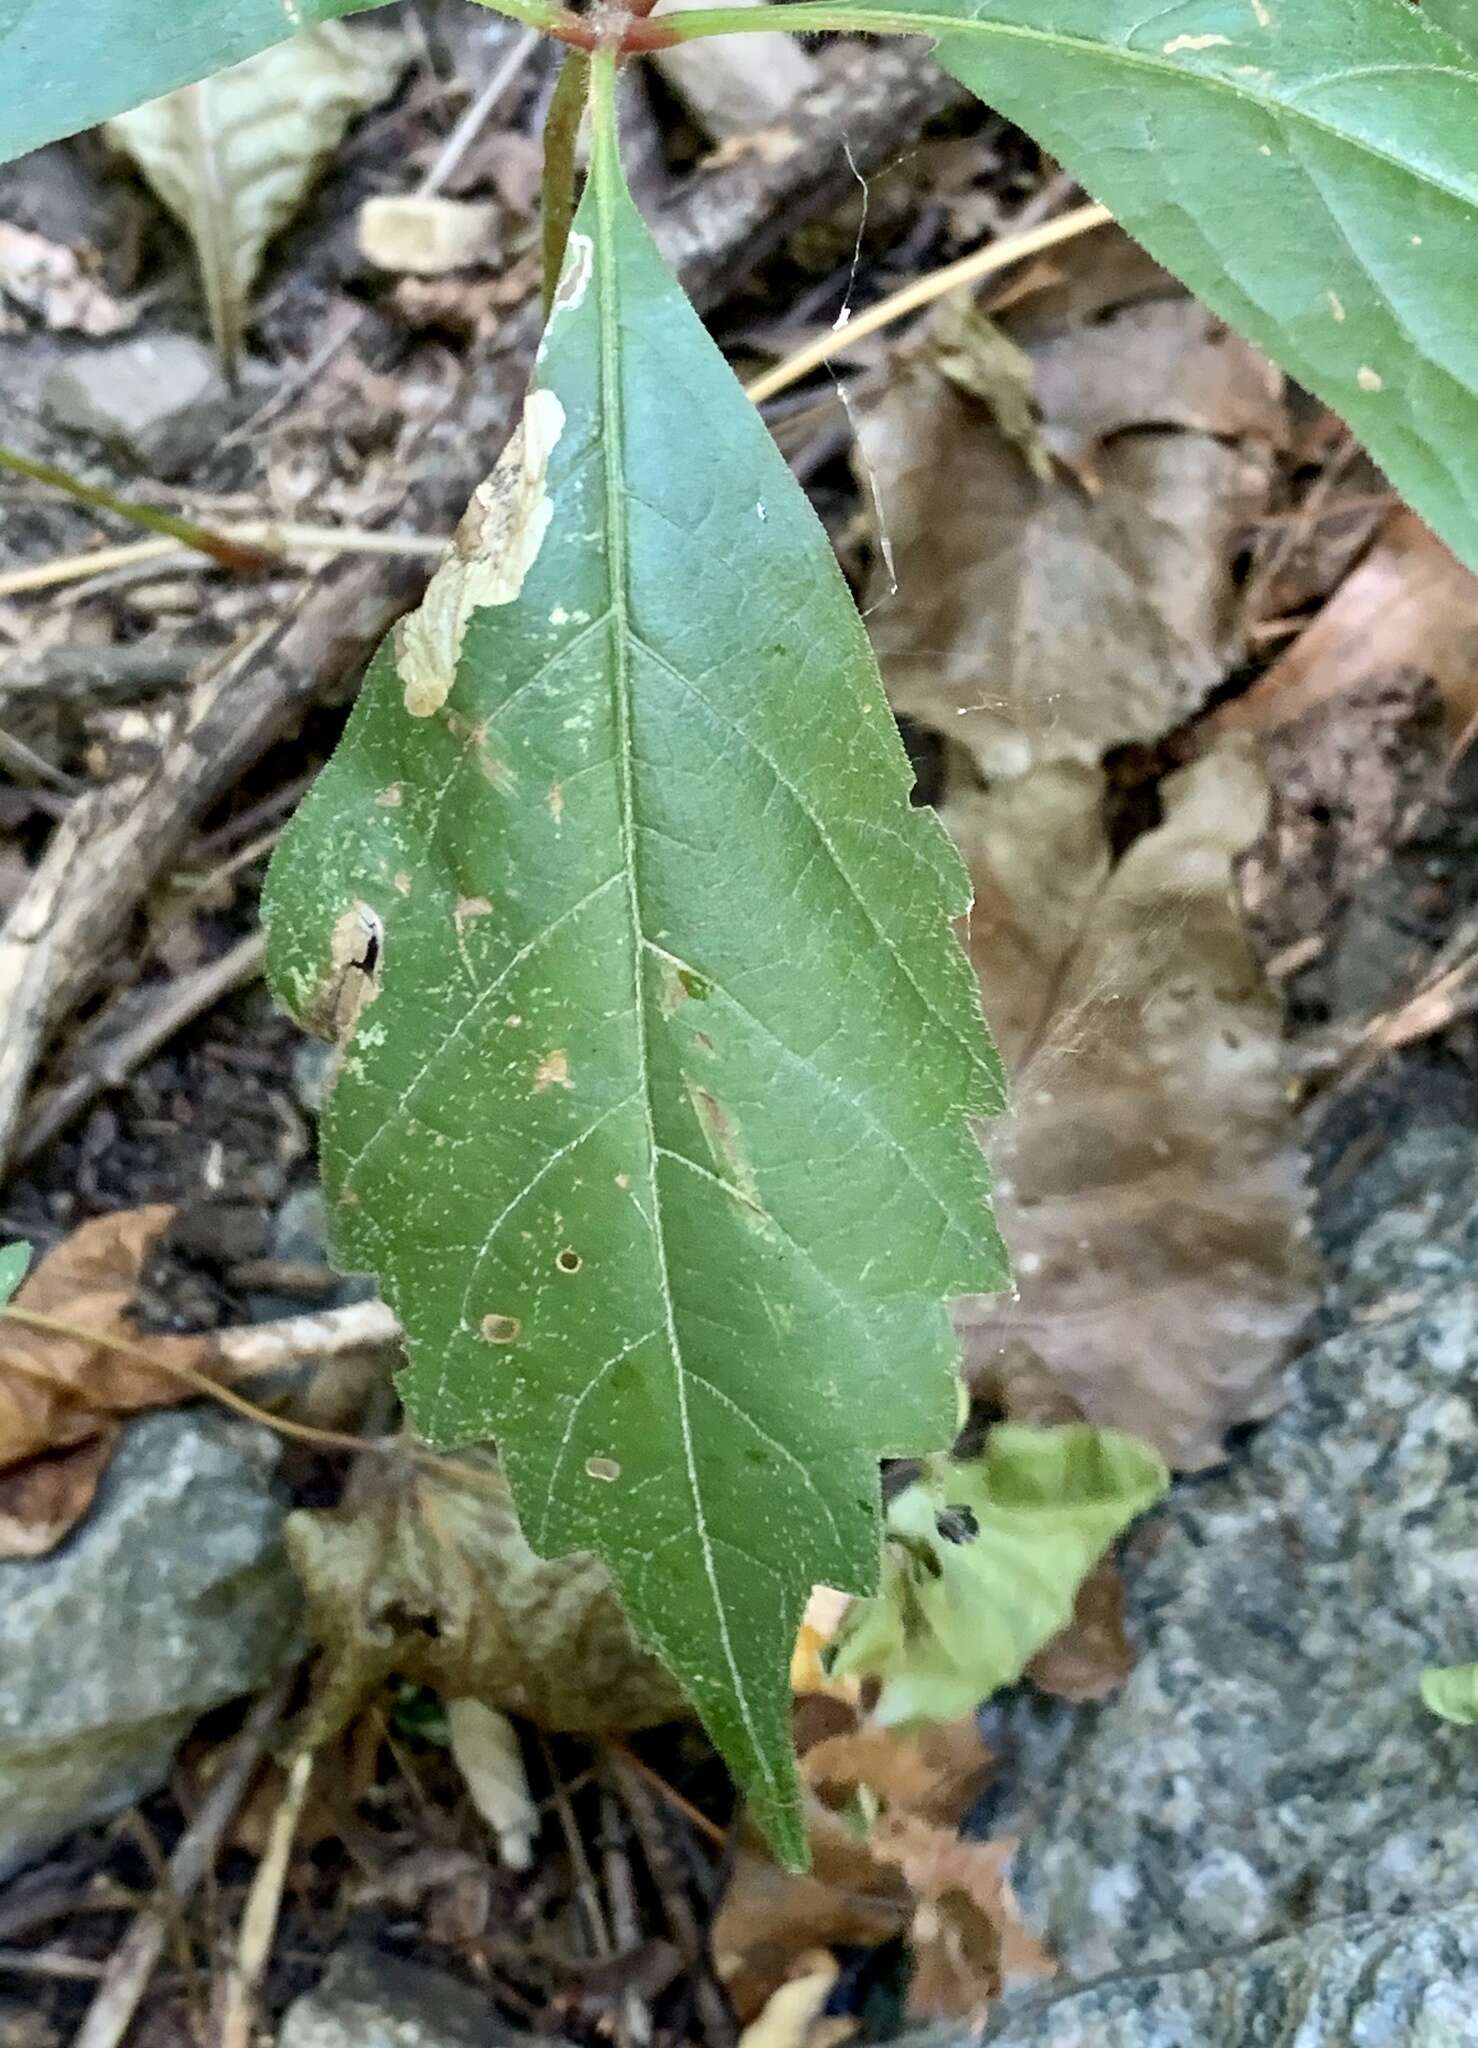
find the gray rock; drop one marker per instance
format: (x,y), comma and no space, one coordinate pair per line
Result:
(369,2000)
(160,397)
(172,1596)
(1270,1763)
(1409,1982)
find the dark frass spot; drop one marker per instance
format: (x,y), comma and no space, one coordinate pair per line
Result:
(957,1524)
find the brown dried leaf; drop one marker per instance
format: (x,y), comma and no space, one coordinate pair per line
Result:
(1040,621)
(57,1390)
(42,1498)
(1150,1184)
(936,1772)
(968,1939)
(1093,1656)
(1410,608)
(427,1574)
(771,1917)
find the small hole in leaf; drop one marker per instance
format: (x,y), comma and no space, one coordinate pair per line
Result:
(602,1468)
(568,1261)
(500,1329)
(957,1524)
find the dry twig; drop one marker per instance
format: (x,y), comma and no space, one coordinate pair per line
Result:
(263,1905)
(111,2012)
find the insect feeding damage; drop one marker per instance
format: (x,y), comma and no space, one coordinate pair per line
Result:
(352,979)
(492,551)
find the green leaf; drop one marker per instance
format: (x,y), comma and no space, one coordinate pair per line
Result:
(652,1111)
(1458,17)
(66,67)
(1309,167)
(232,156)
(984,1560)
(1452,1693)
(14,1259)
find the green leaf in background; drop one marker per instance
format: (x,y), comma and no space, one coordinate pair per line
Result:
(14,1259)
(651,1113)
(1452,1693)
(984,1560)
(232,156)
(1309,167)
(67,64)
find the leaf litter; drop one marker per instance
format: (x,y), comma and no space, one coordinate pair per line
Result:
(1072,420)
(233,156)
(1112,561)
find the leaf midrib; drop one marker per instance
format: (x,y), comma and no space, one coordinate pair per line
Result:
(943,27)
(606,176)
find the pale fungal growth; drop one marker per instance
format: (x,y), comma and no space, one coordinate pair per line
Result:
(493,549)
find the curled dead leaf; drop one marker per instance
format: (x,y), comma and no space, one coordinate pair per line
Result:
(770,1917)
(1055,614)
(58,1389)
(967,1935)
(424,1572)
(1150,1182)
(1093,1656)
(936,1771)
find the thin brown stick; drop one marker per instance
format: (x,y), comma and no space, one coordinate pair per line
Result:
(714,2014)
(923,291)
(111,2012)
(263,1907)
(635,2013)
(202,1383)
(561,138)
(222,548)
(690,1813)
(109,1063)
(588,1897)
(47,1962)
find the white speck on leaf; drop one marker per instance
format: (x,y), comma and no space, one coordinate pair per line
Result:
(492,551)
(602,1468)
(389,798)
(1336,305)
(1262,13)
(1196,43)
(1368,379)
